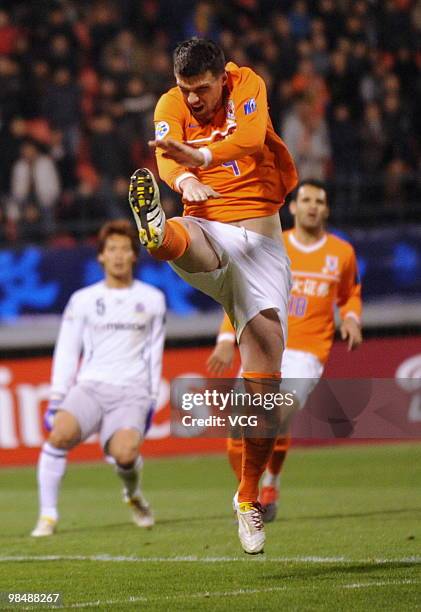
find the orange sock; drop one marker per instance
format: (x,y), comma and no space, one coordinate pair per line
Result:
(175,243)
(256,451)
(255,457)
(256,376)
(279,454)
(235,455)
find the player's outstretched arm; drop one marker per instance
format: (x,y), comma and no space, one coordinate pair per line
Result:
(191,188)
(179,152)
(349,301)
(68,349)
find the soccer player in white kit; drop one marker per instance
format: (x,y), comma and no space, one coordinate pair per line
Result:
(118,326)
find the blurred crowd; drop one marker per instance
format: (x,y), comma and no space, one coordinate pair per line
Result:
(79,80)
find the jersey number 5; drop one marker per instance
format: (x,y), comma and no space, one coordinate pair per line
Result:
(234,166)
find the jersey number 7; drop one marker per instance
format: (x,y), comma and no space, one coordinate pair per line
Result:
(234,166)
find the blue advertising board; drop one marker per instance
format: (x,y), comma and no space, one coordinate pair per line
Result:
(41,280)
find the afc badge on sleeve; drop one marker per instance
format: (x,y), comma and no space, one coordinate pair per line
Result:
(161,130)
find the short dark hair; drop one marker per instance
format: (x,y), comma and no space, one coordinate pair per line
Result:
(198,55)
(312,183)
(122,227)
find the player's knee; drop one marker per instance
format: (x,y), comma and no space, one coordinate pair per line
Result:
(124,446)
(66,431)
(64,439)
(125,455)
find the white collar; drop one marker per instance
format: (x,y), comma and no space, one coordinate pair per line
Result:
(307,248)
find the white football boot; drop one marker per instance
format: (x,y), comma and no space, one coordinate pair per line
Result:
(251,530)
(45,526)
(146,207)
(142,514)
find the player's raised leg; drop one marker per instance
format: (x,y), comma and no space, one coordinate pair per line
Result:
(51,468)
(124,448)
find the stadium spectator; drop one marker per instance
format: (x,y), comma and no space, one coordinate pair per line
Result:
(372,152)
(11,88)
(12,136)
(110,157)
(114,199)
(60,54)
(345,146)
(201,22)
(131,53)
(8,34)
(65,162)
(61,108)
(35,189)
(306,136)
(138,104)
(83,212)
(299,19)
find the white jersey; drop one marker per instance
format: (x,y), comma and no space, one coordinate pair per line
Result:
(120,333)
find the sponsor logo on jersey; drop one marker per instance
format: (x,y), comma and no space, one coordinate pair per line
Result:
(122,326)
(250,106)
(230,110)
(161,130)
(331,265)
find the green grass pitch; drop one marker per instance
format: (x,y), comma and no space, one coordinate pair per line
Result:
(348,537)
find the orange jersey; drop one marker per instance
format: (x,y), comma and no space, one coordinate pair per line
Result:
(251,167)
(324,274)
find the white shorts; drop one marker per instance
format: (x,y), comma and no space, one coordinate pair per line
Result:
(254,273)
(103,408)
(304,370)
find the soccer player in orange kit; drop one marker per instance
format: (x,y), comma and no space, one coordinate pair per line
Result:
(324,272)
(215,144)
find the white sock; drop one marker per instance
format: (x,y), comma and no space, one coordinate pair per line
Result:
(271,480)
(130,476)
(52,465)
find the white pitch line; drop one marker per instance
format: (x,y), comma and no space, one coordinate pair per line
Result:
(364,585)
(236,593)
(194,559)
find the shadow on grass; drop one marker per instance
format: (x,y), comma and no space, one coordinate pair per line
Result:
(358,569)
(218,517)
(346,515)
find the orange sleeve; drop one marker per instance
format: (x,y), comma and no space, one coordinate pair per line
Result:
(349,290)
(169,120)
(226,330)
(251,116)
